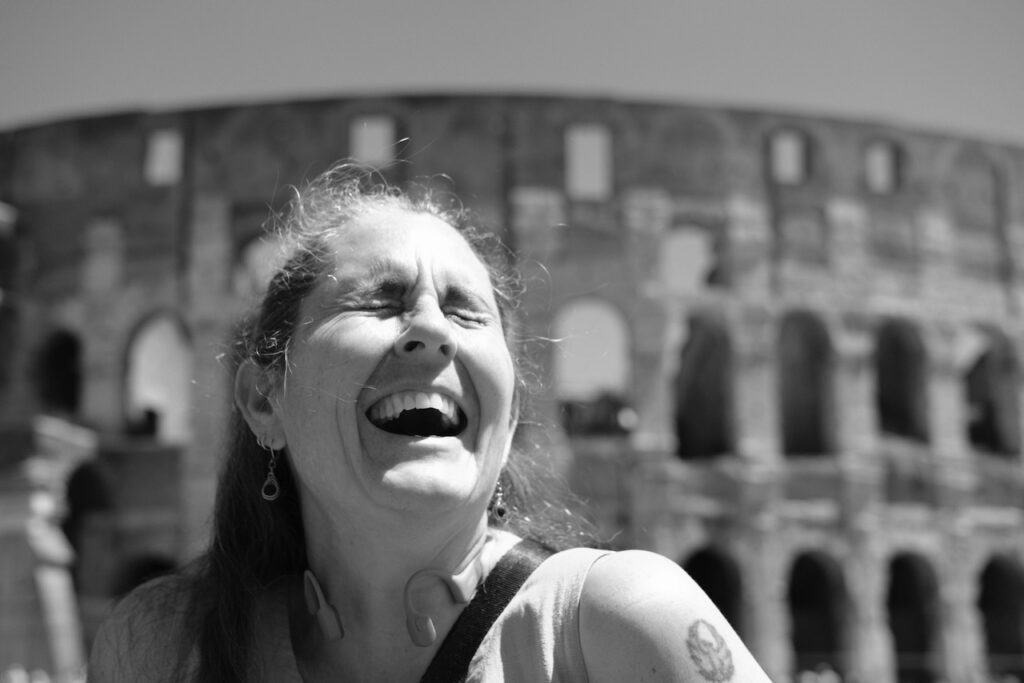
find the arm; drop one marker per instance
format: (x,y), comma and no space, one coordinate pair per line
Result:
(642,618)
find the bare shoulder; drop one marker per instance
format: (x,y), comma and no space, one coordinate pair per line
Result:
(143,637)
(643,618)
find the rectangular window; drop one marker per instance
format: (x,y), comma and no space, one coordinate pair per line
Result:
(165,150)
(788,157)
(8,216)
(588,162)
(881,167)
(372,139)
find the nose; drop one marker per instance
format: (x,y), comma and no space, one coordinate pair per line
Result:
(427,332)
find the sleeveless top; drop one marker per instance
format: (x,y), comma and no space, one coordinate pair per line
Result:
(535,639)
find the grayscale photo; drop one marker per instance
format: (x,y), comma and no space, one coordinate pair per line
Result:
(671,341)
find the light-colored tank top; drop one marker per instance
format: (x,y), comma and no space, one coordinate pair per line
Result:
(537,637)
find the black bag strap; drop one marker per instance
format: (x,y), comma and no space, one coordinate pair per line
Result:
(451,662)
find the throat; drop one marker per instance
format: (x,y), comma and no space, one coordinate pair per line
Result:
(419,620)
(430,599)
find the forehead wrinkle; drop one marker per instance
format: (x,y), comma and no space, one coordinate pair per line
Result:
(373,272)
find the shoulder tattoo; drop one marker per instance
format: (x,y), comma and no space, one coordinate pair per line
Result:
(709,652)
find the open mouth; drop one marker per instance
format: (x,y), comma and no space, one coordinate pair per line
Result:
(417,413)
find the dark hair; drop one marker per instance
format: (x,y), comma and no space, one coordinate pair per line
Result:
(255,543)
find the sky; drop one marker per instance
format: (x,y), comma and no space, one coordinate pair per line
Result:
(951,66)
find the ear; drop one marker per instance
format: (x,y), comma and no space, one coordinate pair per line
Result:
(253,387)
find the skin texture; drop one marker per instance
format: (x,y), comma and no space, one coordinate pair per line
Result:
(405,306)
(642,618)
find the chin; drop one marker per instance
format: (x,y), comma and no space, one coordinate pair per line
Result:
(433,487)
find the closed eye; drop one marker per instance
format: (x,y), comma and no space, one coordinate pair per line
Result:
(383,297)
(463,315)
(382,306)
(467,305)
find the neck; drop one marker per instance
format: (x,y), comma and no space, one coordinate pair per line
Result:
(403,583)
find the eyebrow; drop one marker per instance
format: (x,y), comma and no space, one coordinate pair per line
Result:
(377,272)
(459,295)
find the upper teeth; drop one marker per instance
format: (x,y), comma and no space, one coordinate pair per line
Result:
(390,407)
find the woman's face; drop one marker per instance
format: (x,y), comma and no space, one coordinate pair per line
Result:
(399,383)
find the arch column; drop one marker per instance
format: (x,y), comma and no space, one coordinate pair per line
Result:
(1016,345)
(102,286)
(764,608)
(755,404)
(212,314)
(962,641)
(855,421)
(870,641)
(654,383)
(647,215)
(945,391)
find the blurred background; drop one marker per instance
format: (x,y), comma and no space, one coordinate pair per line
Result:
(780,246)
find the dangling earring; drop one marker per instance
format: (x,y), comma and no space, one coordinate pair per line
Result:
(497,508)
(270,489)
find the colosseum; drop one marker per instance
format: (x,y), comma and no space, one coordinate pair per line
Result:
(786,352)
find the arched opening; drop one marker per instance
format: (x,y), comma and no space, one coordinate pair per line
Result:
(805,385)
(990,387)
(717,574)
(158,381)
(592,368)
(703,390)
(900,374)
(816,599)
(913,609)
(57,373)
(1001,603)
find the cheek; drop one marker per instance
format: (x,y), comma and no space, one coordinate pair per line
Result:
(499,385)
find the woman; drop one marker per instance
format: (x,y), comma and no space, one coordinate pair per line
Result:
(372,495)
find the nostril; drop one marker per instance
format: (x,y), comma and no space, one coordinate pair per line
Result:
(410,346)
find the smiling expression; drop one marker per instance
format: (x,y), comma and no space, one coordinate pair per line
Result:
(399,385)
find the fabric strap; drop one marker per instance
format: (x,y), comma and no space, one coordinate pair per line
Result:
(451,663)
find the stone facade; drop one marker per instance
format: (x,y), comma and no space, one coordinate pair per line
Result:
(818,407)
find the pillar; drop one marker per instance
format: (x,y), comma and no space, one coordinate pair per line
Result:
(870,641)
(755,396)
(765,609)
(212,315)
